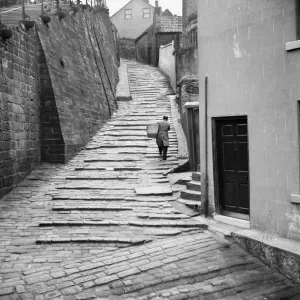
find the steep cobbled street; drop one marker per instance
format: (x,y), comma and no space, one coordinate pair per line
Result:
(103,225)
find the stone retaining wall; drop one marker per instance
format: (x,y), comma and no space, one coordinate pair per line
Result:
(82,65)
(58,86)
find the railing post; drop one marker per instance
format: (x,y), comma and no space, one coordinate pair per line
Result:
(23,9)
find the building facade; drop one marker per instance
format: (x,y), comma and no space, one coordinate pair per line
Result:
(164,30)
(249,63)
(133,18)
(187,79)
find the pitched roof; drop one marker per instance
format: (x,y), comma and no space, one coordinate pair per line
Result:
(143,33)
(168,23)
(167,13)
(128,3)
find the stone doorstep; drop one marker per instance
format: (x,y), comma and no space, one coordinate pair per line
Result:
(279,253)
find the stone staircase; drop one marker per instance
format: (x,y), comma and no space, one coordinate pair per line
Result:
(191,195)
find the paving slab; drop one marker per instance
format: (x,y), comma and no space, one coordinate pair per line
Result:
(153,190)
(80,230)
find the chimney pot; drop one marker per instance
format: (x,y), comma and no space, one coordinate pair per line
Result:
(156,3)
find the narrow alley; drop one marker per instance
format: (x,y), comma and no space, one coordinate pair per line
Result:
(103,225)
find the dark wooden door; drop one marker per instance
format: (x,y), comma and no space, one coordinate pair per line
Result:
(196,136)
(233,173)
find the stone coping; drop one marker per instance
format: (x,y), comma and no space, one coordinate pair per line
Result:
(191,104)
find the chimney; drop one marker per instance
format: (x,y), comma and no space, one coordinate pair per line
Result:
(157,9)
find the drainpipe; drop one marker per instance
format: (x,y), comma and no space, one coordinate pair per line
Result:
(205,202)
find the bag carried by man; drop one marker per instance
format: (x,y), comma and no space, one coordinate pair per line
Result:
(152,130)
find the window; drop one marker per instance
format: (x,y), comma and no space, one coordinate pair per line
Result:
(146,13)
(128,14)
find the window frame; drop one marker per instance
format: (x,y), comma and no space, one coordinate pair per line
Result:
(127,14)
(148,13)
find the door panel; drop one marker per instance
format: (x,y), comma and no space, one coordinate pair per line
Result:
(228,154)
(230,193)
(242,156)
(232,158)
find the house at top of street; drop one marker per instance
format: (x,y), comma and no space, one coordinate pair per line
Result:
(133,18)
(249,70)
(164,30)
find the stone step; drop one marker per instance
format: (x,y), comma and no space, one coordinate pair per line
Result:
(182,223)
(115,179)
(109,168)
(88,198)
(196,176)
(116,146)
(190,202)
(194,185)
(185,209)
(154,190)
(190,195)
(64,207)
(91,239)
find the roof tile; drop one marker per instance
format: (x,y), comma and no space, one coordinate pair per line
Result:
(168,23)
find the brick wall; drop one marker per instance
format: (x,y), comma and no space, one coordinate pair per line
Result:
(57,87)
(251,73)
(19,110)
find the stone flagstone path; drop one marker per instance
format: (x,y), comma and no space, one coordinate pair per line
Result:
(103,225)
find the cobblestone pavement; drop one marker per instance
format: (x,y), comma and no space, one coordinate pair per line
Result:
(103,225)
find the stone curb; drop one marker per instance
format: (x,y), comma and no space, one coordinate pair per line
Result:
(123,90)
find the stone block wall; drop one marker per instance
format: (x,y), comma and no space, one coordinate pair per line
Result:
(80,57)
(57,88)
(188,91)
(187,63)
(19,110)
(187,81)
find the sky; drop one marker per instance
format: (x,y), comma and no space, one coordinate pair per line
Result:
(175,6)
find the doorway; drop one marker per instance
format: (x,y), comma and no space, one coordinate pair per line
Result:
(232,167)
(192,115)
